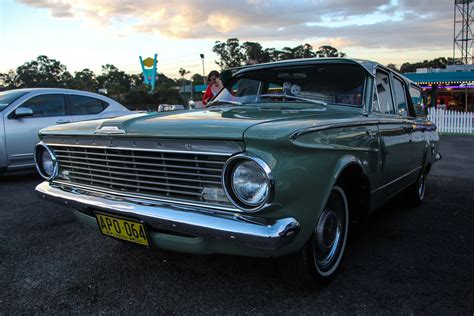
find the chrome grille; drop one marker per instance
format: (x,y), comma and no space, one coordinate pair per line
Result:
(172,175)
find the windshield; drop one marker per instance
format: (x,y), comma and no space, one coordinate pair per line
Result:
(318,84)
(8,97)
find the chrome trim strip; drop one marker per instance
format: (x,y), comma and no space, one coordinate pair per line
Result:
(53,159)
(247,231)
(397,179)
(149,176)
(297,134)
(66,165)
(331,125)
(150,164)
(62,151)
(144,149)
(148,198)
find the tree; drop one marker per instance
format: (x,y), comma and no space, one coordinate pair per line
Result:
(114,80)
(183,72)
(440,62)
(42,72)
(197,79)
(84,80)
(254,53)
(393,67)
(230,53)
(329,51)
(8,80)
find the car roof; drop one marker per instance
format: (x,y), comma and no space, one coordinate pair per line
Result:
(368,65)
(59,90)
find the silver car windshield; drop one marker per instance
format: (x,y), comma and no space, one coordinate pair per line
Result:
(314,85)
(8,97)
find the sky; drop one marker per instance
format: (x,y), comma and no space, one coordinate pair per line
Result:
(90,33)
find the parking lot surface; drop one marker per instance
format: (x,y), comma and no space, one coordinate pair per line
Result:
(409,260)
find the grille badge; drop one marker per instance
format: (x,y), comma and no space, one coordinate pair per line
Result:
(109,130)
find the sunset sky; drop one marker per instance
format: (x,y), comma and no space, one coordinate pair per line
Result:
(90,33)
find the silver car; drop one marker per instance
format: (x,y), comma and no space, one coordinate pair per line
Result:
(25,111)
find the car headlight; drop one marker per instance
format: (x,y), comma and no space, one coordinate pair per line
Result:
(247,182)
(46,162)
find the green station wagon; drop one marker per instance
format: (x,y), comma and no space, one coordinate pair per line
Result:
(282,163)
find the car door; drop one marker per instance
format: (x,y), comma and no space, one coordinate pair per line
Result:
(395,150)
(83,108)
(22,133)
(421,133)
(407,114)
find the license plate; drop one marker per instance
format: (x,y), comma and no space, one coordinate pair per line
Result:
(123,228)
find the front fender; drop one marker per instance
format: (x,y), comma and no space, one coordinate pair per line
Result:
(304,177)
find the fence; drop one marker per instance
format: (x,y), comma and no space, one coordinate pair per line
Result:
(452,121)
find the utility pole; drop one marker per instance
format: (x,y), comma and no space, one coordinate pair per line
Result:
(203,72)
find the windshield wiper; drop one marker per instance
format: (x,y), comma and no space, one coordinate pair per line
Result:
(217,102)
(294,97)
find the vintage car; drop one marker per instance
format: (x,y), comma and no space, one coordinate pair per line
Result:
(282,163)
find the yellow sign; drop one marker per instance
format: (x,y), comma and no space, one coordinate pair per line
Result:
(124,229)
(148,62)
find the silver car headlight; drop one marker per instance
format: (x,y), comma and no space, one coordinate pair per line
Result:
(46,162)
(248,182)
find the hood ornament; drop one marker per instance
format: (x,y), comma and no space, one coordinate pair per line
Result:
(108,130)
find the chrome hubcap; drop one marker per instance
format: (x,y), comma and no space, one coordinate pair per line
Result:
(328,237)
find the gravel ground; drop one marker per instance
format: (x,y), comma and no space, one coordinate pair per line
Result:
(410,260)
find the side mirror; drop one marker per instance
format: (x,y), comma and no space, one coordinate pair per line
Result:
(191,105)
(23,112)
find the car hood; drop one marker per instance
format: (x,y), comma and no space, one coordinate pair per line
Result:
(228,123)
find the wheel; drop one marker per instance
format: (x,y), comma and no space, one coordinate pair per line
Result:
(319,259)
(416,192)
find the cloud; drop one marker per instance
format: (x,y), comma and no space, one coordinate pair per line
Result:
(58,9)
(396,24)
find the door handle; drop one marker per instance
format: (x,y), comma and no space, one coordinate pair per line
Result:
(371,134)
(62,121)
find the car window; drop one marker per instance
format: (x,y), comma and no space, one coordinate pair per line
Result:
(296,85)
(400,98)
(46,105)
(383,96)
(8,97)
(82,105)
(417,100)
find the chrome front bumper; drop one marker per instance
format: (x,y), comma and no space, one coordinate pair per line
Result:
(211,225)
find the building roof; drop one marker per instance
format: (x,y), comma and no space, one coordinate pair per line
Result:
(441,77)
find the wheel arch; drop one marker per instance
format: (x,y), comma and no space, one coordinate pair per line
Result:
(352,177)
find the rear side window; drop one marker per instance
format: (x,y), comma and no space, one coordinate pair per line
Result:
(46,105)
(82,105)
(417,100)
(382,95)
(401,105)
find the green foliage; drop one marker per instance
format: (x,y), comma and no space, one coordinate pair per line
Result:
(183,72)
(232,54)
(114,80)
(197,79)
(255,53)
(8,80)
(42,72)
(84,80)
(329,51)
(393,67)
(440,62)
